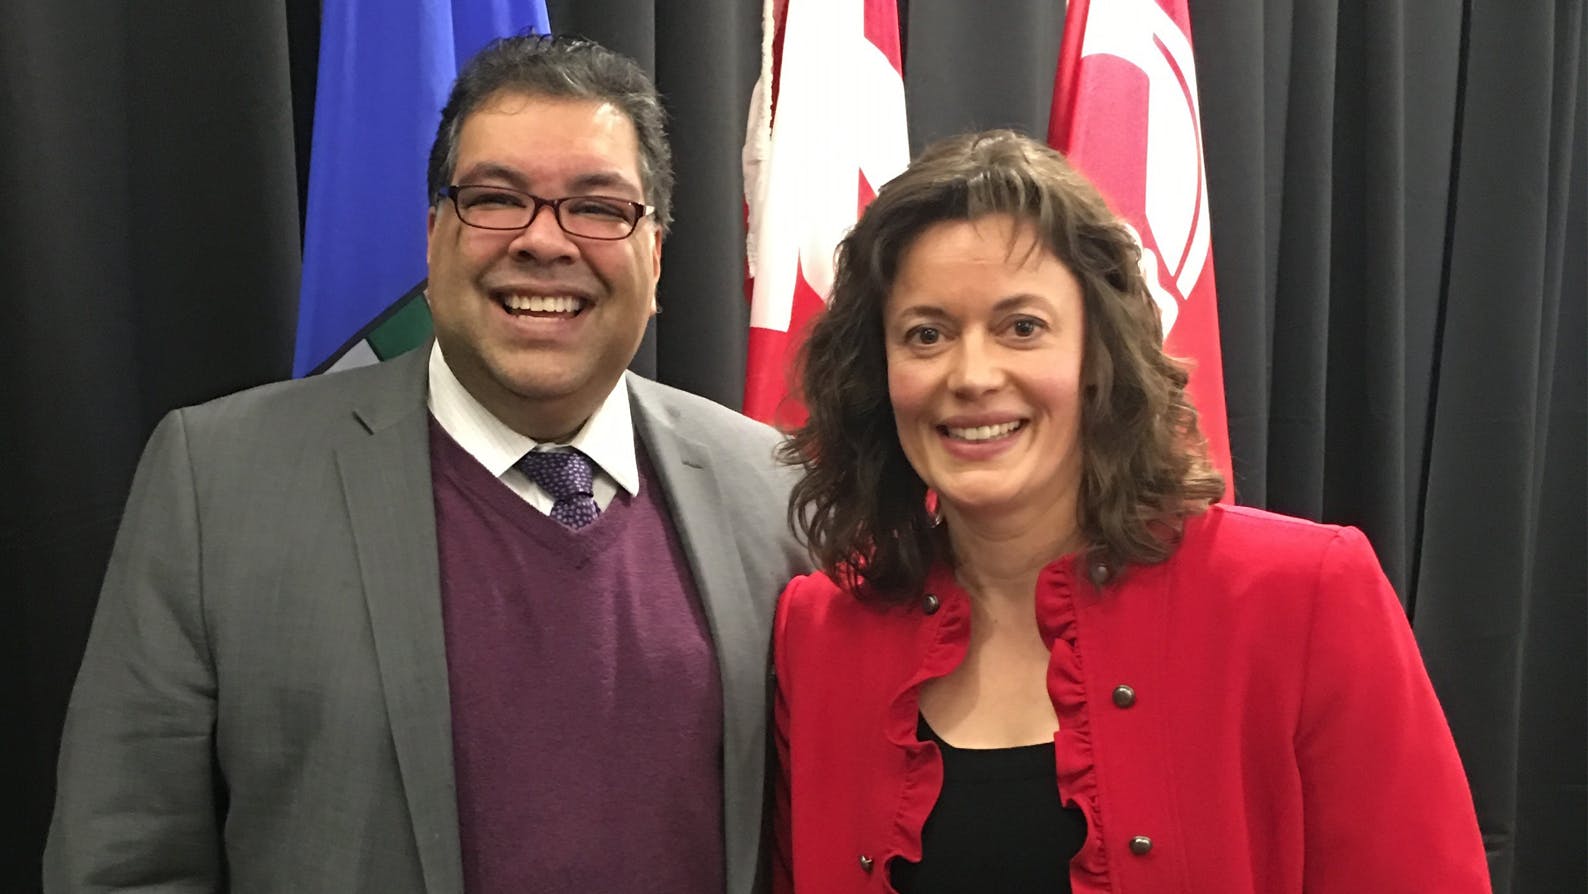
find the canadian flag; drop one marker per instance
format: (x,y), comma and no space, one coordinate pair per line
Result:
(1125,112)
(826,128)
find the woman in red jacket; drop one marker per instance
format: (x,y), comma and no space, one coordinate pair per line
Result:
(1042,657)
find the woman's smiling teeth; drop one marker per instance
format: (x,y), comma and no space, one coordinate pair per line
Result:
(547,304)
(983,432)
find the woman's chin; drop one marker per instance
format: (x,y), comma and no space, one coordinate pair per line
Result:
(978,503)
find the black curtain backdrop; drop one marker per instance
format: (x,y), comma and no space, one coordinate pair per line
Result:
(1399,195)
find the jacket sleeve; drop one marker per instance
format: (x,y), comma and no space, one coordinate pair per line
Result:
(782,818)
(1386,803)
(136,789)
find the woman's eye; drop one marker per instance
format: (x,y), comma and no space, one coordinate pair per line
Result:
(1026,328)
(924,335)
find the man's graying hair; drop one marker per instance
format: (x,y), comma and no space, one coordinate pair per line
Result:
(560,68)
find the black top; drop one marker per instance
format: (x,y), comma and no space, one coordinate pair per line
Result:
(997,826)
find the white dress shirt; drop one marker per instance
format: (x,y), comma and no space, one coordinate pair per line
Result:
(607,437)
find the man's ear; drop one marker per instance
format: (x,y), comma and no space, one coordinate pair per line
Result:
(430,233)
(656,252)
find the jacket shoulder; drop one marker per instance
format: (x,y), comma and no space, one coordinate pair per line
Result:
(1243,558)
(812,594)
(814,606)
(710,420)
(283,428)
(743,449)
(1256,537)
(299,404)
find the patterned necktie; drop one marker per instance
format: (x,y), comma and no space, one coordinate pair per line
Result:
(566,476)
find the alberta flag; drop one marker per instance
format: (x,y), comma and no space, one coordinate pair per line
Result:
(385,69)
(1126,113)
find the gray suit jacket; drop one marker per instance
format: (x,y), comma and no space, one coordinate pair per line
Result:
(263,705)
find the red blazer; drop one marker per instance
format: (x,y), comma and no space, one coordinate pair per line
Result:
(1250,715)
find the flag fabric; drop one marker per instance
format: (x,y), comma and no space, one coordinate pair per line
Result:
(385,70)
(1126,114)
(826,128)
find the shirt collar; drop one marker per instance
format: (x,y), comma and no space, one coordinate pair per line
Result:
(607,437)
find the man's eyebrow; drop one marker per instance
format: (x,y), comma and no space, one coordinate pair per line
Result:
(607,181)
(595,182)
(486,170)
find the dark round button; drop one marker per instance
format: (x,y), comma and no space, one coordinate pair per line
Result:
(1140,845)
(1124,696)
(865,863)
(930,603)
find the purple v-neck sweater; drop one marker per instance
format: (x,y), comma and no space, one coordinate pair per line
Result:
(586,701)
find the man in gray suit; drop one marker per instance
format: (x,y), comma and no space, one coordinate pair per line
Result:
(492,616)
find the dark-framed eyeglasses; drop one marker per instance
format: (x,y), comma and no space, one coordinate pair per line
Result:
(588,217)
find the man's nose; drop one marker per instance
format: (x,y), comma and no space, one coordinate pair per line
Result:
(543,239)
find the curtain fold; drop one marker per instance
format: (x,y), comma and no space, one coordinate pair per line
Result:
(149,239)
(1500,387)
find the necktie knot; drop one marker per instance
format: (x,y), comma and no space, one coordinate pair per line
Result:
(567,477)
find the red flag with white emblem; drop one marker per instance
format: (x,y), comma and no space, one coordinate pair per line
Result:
(1126,113)
(826,129)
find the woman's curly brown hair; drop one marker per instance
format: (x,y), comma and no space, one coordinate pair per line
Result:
(861,507)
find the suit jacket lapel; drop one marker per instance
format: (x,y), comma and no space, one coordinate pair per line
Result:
(696,504)
(386,482)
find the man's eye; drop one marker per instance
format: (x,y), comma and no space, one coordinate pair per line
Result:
(494,200)
(605,209)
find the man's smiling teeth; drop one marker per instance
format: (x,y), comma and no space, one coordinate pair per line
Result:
(556,304)
(984,432)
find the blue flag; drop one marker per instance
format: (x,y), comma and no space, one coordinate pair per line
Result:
(385,69)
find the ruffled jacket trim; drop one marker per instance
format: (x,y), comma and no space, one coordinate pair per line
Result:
(944,649)
(1077,771)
